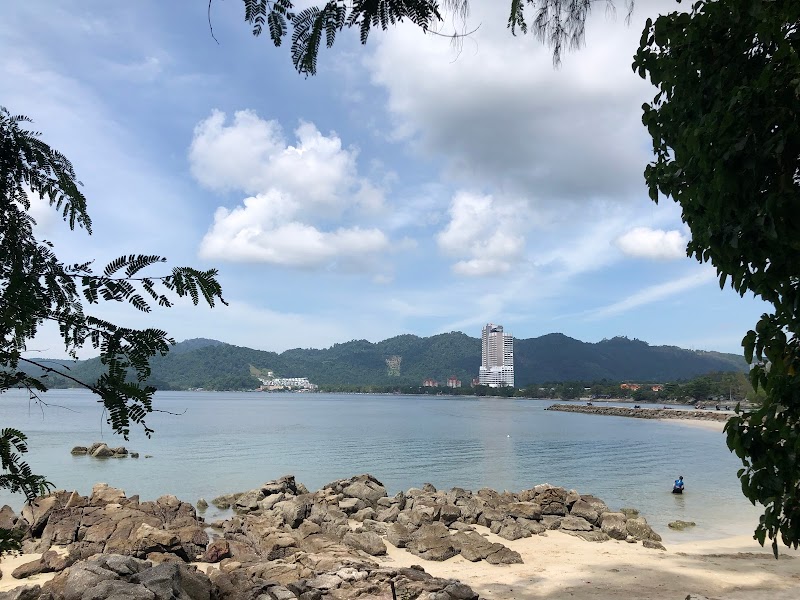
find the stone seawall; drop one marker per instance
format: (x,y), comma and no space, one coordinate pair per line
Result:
(644,413)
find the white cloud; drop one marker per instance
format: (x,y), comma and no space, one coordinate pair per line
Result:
(252,155)
(484,233)
(263,230)
(644,242)
(294,188)
(498,113)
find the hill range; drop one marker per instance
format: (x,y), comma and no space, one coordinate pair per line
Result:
(211,364)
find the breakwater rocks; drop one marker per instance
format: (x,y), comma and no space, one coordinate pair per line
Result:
(285,542)
(643,413)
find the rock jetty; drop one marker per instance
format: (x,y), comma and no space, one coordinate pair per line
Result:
(284,542)
(643,413)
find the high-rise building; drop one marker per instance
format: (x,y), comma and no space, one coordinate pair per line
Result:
(497,357)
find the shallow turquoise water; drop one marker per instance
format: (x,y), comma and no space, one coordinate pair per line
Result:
(225,442)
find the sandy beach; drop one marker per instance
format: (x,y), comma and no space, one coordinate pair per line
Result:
(562,566)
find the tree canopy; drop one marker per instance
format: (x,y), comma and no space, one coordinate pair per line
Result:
(37,288)
(725,125)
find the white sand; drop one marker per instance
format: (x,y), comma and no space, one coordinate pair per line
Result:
(10,562)
(563,566)
(711,425)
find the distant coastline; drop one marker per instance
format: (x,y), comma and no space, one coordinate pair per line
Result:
(644,413)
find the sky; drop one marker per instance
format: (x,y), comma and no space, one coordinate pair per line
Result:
(412,186)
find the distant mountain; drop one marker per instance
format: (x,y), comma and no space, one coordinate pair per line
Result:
(211,364)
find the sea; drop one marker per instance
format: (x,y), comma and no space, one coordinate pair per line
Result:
(211,443)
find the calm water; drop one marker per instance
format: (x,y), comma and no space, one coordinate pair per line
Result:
(225,442)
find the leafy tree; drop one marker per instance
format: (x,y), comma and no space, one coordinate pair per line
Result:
(725,125)
(37,288)
(558,23)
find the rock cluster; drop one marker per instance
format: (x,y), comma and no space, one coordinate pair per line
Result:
(102,450)
(642,413)
(285,542)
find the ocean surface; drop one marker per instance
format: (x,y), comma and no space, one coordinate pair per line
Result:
(223,442)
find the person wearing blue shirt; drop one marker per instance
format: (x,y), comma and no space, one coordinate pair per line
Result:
(678,487)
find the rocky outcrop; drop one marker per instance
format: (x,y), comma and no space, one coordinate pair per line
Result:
(102,450)
(285,542)
(642,413)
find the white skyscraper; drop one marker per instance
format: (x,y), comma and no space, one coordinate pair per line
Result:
(497,357)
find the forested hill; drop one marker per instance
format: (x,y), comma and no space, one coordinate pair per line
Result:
(555,357)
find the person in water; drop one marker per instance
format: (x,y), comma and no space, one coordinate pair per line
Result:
(678,487)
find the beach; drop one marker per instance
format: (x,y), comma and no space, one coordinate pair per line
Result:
(561,565)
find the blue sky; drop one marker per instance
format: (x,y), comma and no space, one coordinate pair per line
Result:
(410,187)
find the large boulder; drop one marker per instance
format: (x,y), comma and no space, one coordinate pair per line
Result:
(640,530)
(613,525)
(365,488)
(525,510)
(102,451)
(367,541)
(432,542)
(583,509)
(398,535)
(573,523)
(553,501)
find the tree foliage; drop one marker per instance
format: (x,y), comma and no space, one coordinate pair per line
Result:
(37,288)
(556,23)
(725,125)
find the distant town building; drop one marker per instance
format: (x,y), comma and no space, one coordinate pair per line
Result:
(630,386)
(497,357)
(430,383)
(453,382)
(287,383)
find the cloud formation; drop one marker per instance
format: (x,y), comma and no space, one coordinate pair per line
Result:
(483,233)
(657,244)
(296,189)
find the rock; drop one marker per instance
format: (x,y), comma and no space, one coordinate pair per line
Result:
(33,567)
(681,525)
(613,524)
(8,518)
(573,523)
(365,488)
(170,580)
(449,513)
(553,501)
(473,546)
(597,505)
(639,529)
(513,531)
(225,501)
(583,509)
(364,514)
(248,501)
(398,535)
(572,497)
(325,582)
(368,541)
(37,513)
(351,505)
(293,511)
(388,515)
(460,591)
(216,551)
(504,556)
(26,592)
(134,455)
(278,592)
(591,536)
(525,510)
(432,542)
(630,513)
(102,451)
(120,451)
(653,545)
(103,494)
(535,527)
(79,450)
(552,522)
(202,504)
(150,539)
